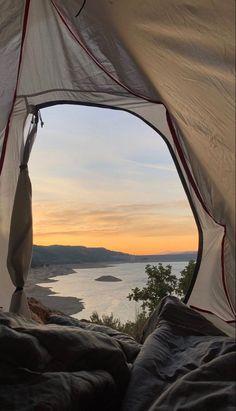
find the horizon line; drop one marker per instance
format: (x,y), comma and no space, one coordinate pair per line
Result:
(118,251)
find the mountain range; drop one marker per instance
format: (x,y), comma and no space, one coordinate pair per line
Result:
(63,254)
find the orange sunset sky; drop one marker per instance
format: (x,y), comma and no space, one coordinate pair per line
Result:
(103,178)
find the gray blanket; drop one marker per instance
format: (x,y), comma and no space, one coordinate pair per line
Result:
(62,367)
(185,364)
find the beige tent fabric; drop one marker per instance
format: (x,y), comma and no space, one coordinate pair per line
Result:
(20,239)
(8,183)
(208,293)
(19,304)
(134,55)
(11,21)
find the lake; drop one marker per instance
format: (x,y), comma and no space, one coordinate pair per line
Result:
(106,297)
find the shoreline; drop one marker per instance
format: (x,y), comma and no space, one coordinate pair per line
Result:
(45,274)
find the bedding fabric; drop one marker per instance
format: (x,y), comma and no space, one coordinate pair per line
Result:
(185,363)
(61,367)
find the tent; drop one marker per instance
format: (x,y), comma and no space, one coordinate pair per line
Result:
(171,63)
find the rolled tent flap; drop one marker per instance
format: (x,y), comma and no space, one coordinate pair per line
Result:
(19,304)
(21,233)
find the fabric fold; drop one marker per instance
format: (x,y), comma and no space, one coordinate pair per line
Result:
(21,232)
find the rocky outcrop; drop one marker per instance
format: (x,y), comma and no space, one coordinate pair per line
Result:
(39,312)
(108,278)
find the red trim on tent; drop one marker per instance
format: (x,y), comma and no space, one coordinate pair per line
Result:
(169,121)
(223,273)
(172,130)
(4,146)
(186,168)
(75,35)
(192,182)
(210,312)
(181,155)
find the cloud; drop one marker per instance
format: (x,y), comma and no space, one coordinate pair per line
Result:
(143,219)
(153,166)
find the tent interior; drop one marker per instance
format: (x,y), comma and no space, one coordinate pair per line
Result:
(172,65)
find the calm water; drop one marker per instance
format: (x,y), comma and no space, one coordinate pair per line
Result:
(106,297)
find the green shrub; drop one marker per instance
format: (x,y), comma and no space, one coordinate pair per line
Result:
(132,328)
(185,278)
(160,282)
(107,320)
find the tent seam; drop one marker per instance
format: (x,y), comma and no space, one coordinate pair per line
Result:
(191,179)
(194,307)
(223,273)
(170,124)
(39,93)
(187,170)
(24,26)
(193,184)
(90,54)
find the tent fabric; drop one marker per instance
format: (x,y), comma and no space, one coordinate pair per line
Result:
(21,235)
(170,63)
(11,20)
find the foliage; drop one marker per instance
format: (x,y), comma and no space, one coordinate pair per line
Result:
(133,328)
(107,320)
(185,278)
(159,284)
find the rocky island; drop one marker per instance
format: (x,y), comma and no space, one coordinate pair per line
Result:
(108,278)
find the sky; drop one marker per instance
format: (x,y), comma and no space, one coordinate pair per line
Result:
(103,178)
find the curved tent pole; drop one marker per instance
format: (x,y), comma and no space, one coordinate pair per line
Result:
(171,127)
(21,233)
(178,168)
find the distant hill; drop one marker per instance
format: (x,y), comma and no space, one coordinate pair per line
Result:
(186,256)
(60,254)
